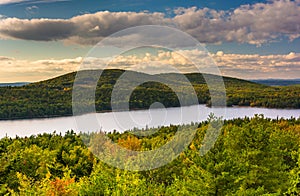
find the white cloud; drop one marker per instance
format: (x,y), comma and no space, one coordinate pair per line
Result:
(83,29)
(13,70)
(255,24)
(32,9)
(259,66)
(248,66)
(10,1)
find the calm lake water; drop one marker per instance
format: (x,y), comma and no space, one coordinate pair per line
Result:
(121,121)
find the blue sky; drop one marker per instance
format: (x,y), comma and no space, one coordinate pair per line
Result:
(34,31)
(69,8)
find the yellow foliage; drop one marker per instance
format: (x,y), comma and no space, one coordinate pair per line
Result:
(131,143)
(192,146)
(59,187)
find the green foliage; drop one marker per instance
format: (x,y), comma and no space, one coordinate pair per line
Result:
(54,97)
(294,188)
(255,156)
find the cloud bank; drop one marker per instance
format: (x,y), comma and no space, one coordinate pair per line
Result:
(13,70)
(235,65)
(255,24)
(2,2)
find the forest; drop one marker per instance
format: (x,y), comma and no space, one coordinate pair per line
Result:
(54,97)
(252,156)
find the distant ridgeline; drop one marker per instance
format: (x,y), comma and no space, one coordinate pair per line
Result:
(278,82)
(54,97)
(14,84)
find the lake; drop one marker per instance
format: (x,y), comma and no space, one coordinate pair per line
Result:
(121,121)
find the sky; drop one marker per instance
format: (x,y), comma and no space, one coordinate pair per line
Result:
(41,39)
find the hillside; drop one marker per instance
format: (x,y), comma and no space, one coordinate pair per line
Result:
(54,97)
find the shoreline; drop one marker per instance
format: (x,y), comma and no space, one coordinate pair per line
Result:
(134,109)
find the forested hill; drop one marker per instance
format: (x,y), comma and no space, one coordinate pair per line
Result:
(54,97)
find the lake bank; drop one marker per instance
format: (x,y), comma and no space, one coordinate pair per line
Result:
(122,121)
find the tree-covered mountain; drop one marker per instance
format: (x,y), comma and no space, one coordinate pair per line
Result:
(54,97)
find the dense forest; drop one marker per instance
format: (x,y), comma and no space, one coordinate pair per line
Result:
(252,156)
(54,97)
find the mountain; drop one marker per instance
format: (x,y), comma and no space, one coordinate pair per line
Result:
(278,82)
(14,84)
(53,97)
